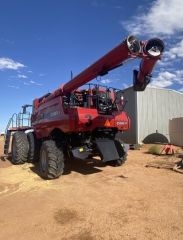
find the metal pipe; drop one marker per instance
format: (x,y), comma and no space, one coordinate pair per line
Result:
(111,60)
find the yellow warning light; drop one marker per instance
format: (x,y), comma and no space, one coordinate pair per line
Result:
(81,150)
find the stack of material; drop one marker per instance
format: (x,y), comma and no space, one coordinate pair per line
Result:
(176,131)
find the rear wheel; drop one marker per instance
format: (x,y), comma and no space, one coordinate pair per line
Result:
(34,147)
(20,147)
(51,160)
(120,161)
(121,151)
(122,154)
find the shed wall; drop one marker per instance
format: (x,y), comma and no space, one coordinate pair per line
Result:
(150,112)
(155,108)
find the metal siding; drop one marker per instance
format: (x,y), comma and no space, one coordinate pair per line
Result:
(144,112)
(162,111)
(153,119)
(155,108)
(176,105)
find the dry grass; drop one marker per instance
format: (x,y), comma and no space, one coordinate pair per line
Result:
(155,150)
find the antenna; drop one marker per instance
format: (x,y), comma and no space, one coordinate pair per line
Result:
(71,75)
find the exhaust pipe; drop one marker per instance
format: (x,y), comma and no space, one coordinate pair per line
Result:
(154,47)
(133,44)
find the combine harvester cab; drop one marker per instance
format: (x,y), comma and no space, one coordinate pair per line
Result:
(79,121)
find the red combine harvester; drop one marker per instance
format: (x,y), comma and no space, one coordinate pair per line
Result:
(81,122)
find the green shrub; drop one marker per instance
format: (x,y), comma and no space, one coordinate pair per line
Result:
(155,149)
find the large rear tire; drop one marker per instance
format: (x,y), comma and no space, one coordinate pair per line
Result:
(34,147)
(122,154)
(120,161)
(51,160)
(20,147)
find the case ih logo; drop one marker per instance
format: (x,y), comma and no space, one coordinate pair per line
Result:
(121,123)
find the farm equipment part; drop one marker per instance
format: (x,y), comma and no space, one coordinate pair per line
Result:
(81,122)
(18,122)
(168,149)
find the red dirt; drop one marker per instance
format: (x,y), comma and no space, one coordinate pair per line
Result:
(92,201)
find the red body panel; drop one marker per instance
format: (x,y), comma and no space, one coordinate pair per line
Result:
(52,115)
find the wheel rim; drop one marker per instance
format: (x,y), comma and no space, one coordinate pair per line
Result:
(43,160)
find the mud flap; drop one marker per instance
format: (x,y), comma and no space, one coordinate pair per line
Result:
(109,150)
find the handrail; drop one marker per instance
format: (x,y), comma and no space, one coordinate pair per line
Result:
(15,122)
(10,123)
(18,120)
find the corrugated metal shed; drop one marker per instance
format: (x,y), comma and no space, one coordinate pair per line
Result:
(150,112)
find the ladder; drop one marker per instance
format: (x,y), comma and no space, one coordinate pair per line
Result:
(17,122)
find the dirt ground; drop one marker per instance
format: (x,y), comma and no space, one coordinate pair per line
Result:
(93,201)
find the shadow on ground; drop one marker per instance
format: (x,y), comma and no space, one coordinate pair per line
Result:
(87,167)
(90,166)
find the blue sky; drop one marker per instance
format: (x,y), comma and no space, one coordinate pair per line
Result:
(41,41)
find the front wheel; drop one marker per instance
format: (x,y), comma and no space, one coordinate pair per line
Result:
(51,160)
(19,148)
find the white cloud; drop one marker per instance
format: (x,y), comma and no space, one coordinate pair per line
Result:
(176,51)
(125,85)
(35,83)
(179,76)
(161,83)
(31,81)
(42,74)
(105,81)
(26,83)
(163,17)
(172,55)
(166,79)
(7,63)
(39,84)
(21,76)
(12,86)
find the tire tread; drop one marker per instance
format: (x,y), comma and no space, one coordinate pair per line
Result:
(55,160)
(21,143)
